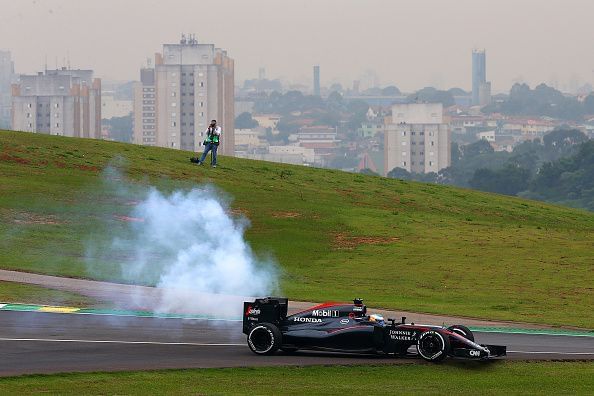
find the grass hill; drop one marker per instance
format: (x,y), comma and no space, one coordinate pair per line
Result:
(337,235)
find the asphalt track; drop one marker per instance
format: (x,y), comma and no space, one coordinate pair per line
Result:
(33,342)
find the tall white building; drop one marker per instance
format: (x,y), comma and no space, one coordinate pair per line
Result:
(174,102)
(58,102)
(7,77)
(416,138)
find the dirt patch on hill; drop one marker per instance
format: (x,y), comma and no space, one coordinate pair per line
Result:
(5,156)
(27,218)
(237,212)
(88,168)
(285,215)
(129,219)
(348,242)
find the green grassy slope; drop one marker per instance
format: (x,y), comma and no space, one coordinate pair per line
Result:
(501,378)
(401,245)
(28,294)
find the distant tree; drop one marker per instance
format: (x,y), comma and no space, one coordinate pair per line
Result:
(121,128)
(509,180)
(335,102)
(399,173)
(358,113)
(563,138)
(432,95)
(368,171)
(373,91)
(390,91)
(478,148)
(457,92)
(287,125)
(343,160)
(540,101)
(569,180)
(245,121)
(455,153)
(336,87)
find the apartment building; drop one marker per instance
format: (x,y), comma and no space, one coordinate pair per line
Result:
(190,84)
(62,102)
(417,139)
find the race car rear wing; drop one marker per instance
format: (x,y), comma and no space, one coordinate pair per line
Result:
(269,310)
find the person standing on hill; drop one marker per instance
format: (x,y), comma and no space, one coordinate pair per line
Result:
(211,143)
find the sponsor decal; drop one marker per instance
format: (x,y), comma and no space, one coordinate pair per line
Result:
(252,311)
(326,313)
(474,353)
(357,309)
(402,335)
(344,321)
(307,320)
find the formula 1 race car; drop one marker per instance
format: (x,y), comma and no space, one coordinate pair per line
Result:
(347,328)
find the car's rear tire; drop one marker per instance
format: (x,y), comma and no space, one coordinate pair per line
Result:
(264,339)
(463,331)
(433,345)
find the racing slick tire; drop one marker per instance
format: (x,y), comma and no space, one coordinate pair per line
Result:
(433,345)
(264,339)
(463,331)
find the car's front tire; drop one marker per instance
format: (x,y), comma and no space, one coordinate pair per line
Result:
(433,345)
(463,331)
(264,339)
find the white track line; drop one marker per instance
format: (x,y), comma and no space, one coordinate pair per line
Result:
(218,344)
(553,353)
(117,342)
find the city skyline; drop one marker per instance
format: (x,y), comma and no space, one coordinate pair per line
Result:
(302,34)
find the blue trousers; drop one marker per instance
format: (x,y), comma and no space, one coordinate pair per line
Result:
(210,147)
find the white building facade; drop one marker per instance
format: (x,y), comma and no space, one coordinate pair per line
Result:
(417,139)
(58,102)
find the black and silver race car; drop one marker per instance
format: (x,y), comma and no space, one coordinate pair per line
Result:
(348,328)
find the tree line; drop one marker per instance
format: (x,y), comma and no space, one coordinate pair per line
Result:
(558,168)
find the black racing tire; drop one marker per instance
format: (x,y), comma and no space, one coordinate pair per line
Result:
(264,339)
(433,345)
(463,331)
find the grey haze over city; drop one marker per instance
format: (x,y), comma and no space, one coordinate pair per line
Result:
(411,44)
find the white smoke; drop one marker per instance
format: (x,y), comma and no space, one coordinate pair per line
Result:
(195,252)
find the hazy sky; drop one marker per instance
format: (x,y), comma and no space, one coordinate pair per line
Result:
(411,43)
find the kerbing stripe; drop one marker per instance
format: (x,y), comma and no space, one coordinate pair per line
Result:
(2,306)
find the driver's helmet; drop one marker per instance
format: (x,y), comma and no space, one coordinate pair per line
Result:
(375,318)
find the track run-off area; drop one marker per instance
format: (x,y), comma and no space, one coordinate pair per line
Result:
(46,339)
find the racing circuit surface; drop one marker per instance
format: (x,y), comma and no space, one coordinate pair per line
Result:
(33,342)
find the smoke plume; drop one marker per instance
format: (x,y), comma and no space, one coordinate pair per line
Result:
(194,252)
